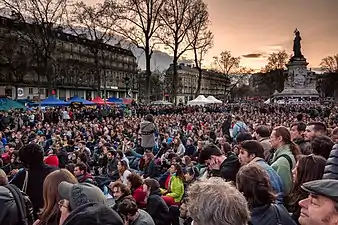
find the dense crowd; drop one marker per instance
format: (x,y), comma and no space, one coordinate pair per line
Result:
(232,164)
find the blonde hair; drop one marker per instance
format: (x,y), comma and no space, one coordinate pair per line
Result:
(214,201)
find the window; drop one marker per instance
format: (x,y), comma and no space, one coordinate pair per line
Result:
(30,91)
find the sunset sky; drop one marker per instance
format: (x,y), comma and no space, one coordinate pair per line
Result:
(260,27)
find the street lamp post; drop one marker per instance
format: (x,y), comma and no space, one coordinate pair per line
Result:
(127,81)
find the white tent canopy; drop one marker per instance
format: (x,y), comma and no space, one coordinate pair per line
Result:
(200,100)
(214,100)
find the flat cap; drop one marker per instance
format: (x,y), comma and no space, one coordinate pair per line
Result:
(326,187)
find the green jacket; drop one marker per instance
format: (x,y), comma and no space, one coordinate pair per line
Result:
(176,188)
(282,166)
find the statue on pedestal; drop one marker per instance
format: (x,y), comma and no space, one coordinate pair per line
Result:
(297,46)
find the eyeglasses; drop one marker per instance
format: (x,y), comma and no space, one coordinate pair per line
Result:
(61,204)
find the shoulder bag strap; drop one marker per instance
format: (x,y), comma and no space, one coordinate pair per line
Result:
(287,157)
(278,217)
(18,197)
(25,183)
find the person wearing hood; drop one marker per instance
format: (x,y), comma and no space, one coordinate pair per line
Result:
(148,129)
(156,206)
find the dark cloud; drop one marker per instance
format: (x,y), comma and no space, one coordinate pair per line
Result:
(253,55)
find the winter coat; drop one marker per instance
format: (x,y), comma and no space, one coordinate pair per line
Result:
(148,134)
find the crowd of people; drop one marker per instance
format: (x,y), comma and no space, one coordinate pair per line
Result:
(233,164)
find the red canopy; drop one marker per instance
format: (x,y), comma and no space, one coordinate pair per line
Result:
(99,101)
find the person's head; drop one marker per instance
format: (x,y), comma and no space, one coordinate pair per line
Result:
(150,185)
(186,160)
(80,169)
(244,136)
(82,157)
(237,118)
(134,181)
(314,129)
(281,136)
(3,178)
(191,173)
(148,156)
(248,150)
(149,118)
(73,196)
(93,214)
(214,201)
(128,208)
(176,170)
(122,166)
(253,181)
(212,156)
(297,130)
(118,189)
(321,205)
(322,145)
(31,155)
(308,168)
(262,132)
(111,155)
(334,136)
(50,193)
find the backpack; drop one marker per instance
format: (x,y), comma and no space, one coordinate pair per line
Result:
(23,204)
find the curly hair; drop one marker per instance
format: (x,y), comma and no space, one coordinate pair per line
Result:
(135,180)
(31,155)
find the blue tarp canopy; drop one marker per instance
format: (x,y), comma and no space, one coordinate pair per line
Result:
(53,101)
(8,104)
(77,99)
(115,100)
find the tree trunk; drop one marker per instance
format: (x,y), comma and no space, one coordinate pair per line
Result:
(148,71)
(97,74)
(175,79)
(199,80)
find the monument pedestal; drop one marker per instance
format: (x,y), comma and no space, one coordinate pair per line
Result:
(299,85)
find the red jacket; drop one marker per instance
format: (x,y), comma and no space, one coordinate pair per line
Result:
(139,195)
(52,160)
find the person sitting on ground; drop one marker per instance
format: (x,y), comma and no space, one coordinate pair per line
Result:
(119,192)
(173,195)
(132,215)
(80,171)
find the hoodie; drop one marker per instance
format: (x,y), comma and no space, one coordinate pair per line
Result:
(148,134)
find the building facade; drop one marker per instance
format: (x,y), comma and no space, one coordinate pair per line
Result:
(212,83)
(74,68)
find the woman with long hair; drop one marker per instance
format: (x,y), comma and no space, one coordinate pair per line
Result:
(149,167)
(179,148)
(50,213)
(308,168)
(253,181)
(173,195)
(122,167)
(284,158)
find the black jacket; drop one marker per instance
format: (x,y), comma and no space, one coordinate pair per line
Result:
(9,211)
(270,214)
(157,208)
(331,168)
(36,177)
(229,168)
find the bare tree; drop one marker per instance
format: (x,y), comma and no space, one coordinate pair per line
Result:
(277,61)
(330,64)
(329,80)
(37,24)
(173,34)
(14,61)
(138,25)
(201,39)
(226,64)
(95,23)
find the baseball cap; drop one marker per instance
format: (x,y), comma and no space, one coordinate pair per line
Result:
(325,187)
(80,194)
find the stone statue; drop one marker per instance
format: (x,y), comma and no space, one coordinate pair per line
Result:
(296,45)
